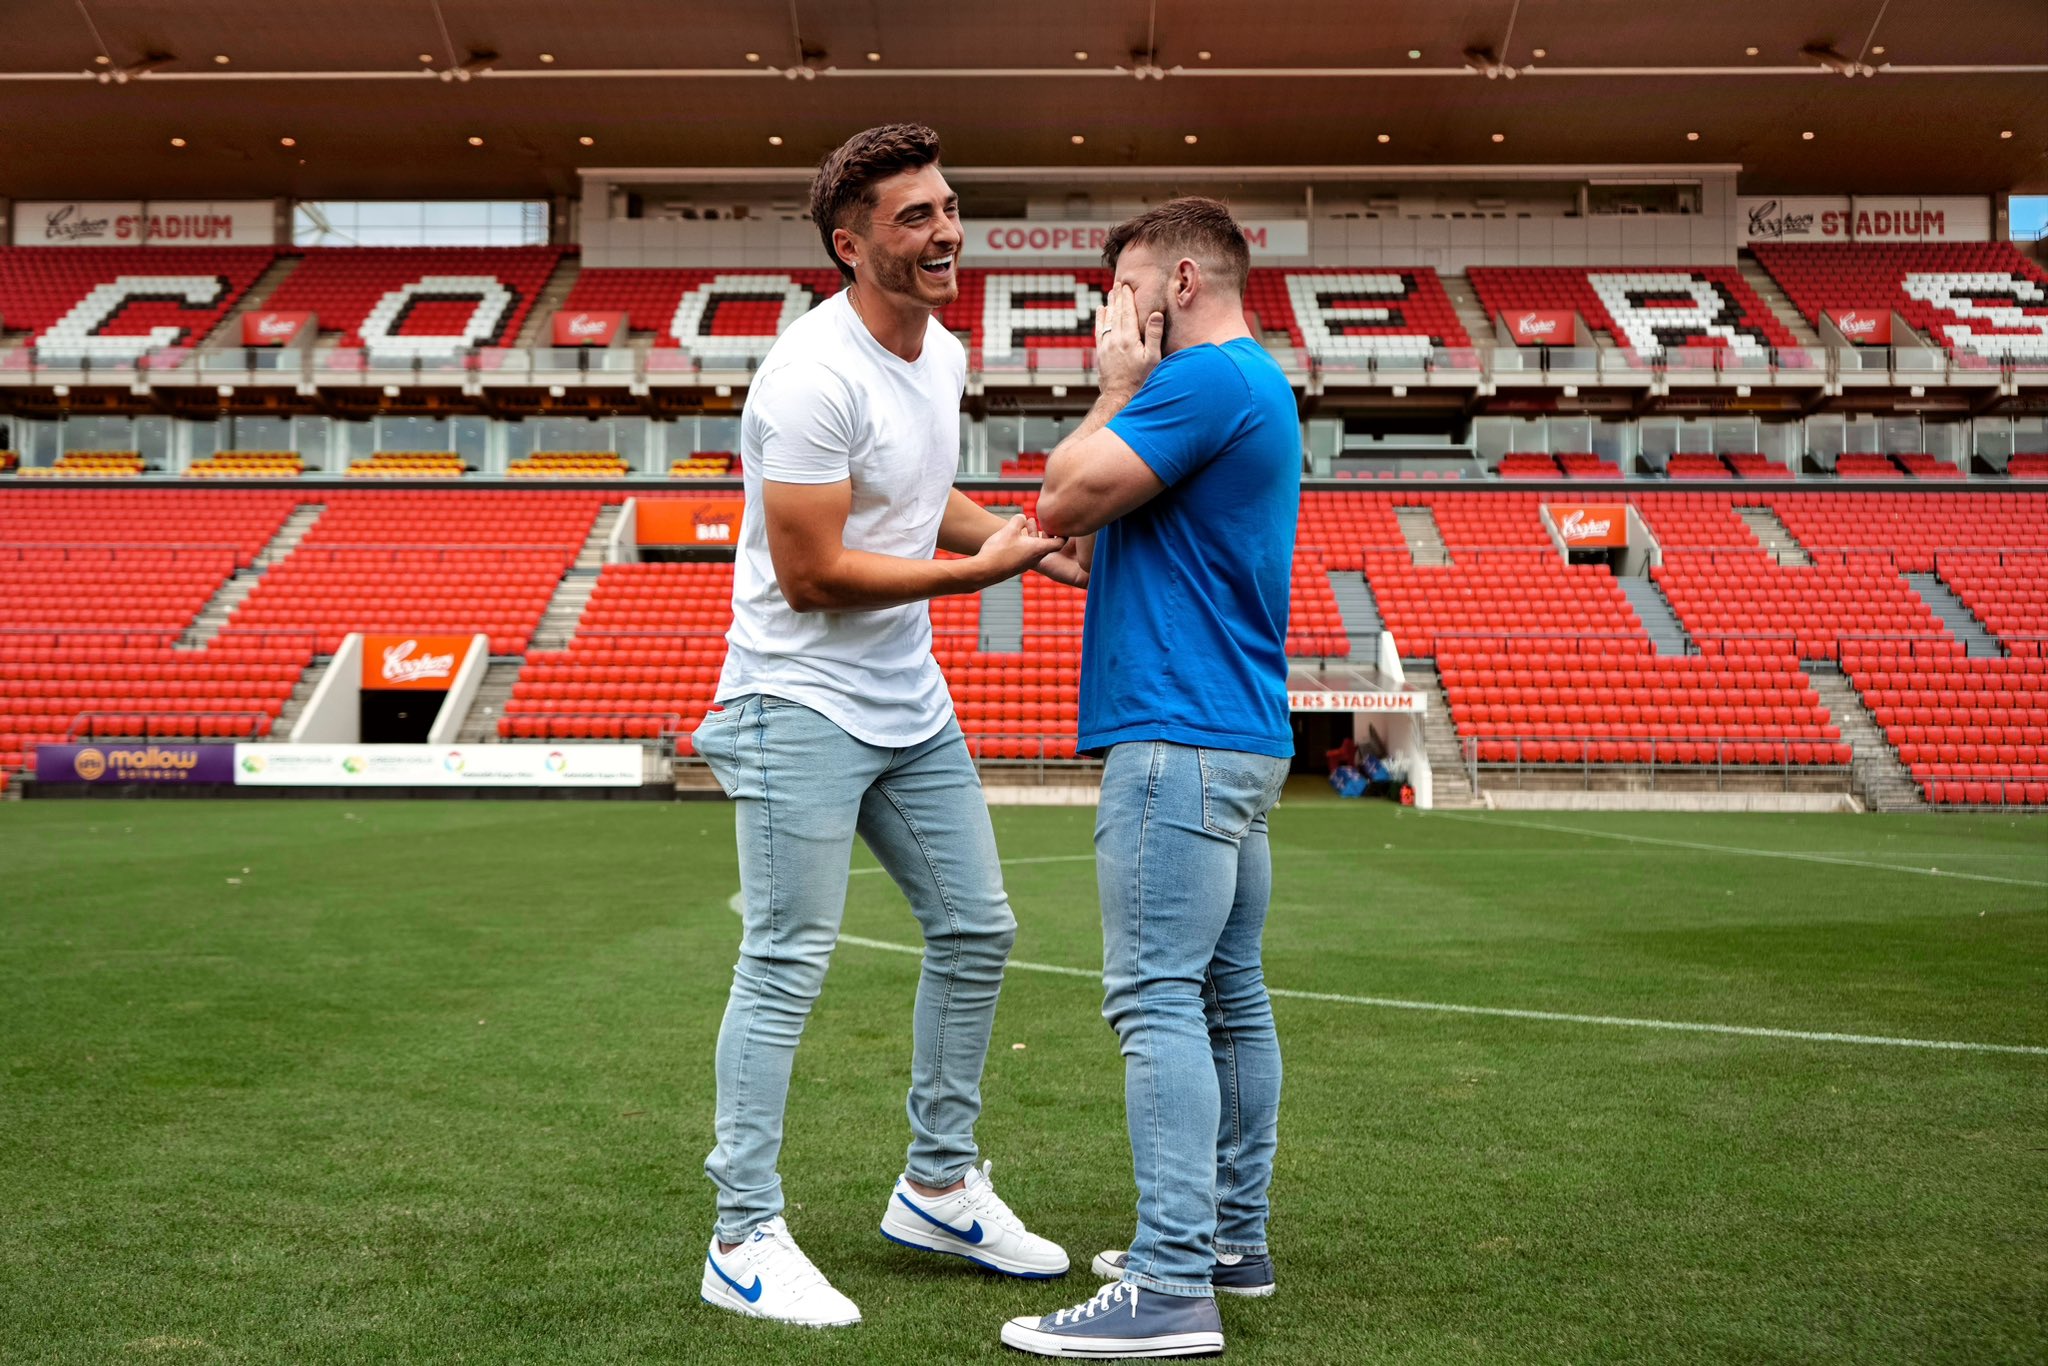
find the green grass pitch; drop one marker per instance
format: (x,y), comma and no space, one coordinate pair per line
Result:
(373,1081)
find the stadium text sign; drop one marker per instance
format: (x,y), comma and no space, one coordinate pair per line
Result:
(1084,240)
(687,521)
(1831,218)
(1384,703)
(1541,327)
(1864,326)
(155,223)
(1592,525)
(434,766)
(584,328)
(267,328)
(412,663)
(146,763)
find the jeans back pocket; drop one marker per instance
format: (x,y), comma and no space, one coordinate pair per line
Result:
(1237,789)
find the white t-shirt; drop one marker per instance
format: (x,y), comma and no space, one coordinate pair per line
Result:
(830,403)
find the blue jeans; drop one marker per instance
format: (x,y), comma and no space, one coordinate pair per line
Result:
(1185,874)
(803,788)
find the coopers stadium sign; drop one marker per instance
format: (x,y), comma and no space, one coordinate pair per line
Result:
(152,223)
(1084,240)
(1829,218)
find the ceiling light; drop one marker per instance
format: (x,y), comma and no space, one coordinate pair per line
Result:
(1386,137)
(102,60)
(1806,137)
(177,142)
(426,56)
(220,59)
(287,142)
(1414,54)
(753,56)
(587,140)
(774,140)
(547,58)
(1080,56)
(1077,139)
(874,56)
(476,142)
(1749,52)
(1203,55)
(1539,52)
(2006,133)
(1500,137)
(1692,137)
(1877,51)
(1190,139)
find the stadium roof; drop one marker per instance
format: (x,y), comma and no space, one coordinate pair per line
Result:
(381,97)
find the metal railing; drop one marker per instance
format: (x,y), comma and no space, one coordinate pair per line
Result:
(1650,755)
(353,366)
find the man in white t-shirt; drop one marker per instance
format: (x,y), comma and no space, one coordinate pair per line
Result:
(834,721)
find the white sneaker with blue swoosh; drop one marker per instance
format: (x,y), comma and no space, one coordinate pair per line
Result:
(973,1223)
(768,1277)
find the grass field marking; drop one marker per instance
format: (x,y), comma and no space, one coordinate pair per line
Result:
(1510,1013)
(1799,856)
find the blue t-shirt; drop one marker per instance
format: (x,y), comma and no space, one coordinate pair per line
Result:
(1185,638)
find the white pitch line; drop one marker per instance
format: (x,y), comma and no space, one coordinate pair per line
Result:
(1797,856)
(1508,1013)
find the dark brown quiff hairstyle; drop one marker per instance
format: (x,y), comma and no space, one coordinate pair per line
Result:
(843,190)
(1194,227)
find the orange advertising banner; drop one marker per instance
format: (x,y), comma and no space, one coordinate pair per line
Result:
(689,521)
(413,663)
(1591,526)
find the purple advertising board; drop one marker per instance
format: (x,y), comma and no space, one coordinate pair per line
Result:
(148,762)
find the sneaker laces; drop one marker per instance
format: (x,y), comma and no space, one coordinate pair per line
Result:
(771,1247)
(1106,1299)
(982,1198)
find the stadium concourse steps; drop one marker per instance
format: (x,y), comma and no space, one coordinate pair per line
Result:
(1541,661)
(1977,299)
(1981,299)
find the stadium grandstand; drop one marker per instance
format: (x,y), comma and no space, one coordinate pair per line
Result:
(1672,386)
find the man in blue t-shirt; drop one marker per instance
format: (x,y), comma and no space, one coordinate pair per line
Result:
(1186,478)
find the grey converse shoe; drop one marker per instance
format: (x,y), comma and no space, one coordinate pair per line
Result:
(1123,1320)
(1235,1273)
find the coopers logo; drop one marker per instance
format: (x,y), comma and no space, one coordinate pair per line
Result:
(1578,526)
(401,665)
(1862,325)
(585,328)
(68,225)
(1769,221)
(1591,525)
(1541,327)
(416,662)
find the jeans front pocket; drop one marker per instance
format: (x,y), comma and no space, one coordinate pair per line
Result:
(1237,789)
(717,742)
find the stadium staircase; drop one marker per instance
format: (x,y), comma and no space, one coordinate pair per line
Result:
(1773,534)
(302,693)
(1002,617)
(1472,313)
(236,590)
(1425,540)
(1440,739)
(1653,609)
(480,726)
(1361,613)
(538,329)
(565,609)
(1775,299)
(591,556)
(1961,622)
(1879,779)
(229,334)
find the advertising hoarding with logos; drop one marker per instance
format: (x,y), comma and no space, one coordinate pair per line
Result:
(438,766)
